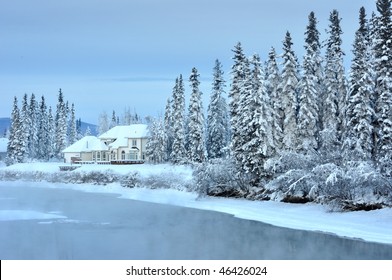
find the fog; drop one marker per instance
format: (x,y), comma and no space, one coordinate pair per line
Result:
(79,225)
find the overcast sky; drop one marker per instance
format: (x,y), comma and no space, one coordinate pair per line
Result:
(113,54)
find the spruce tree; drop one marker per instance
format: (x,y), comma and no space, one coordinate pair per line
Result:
(196,138)
(33,131)
(72,126)
(113,121)
(168,123)
(336,89)
(274,93)
(256,127)
(310,91)
(238,90)
(61,125)
(156,144)
(358,142)
(383,66)
(51,139)
(217,130)
(178,154)
(288,88)
(43,130)
(13,145)
(25,125)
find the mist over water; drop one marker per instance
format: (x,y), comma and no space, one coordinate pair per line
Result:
(101,226)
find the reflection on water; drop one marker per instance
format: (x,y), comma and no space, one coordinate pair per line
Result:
(104,227)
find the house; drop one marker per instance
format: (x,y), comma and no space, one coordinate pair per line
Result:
(3,148)
(84,149)
(121,144)
(126,142)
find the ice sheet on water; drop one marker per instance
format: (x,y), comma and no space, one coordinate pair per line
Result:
(15,215)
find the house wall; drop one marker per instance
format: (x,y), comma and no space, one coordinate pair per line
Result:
(140,144)
(87,156)
(68,156)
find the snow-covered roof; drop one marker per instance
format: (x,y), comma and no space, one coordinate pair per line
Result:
(122,133)
(127,131)
(3,145)
(86,144)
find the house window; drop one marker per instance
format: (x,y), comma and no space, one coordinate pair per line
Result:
(123,155)
(113,155)
(134,143)
(98,156)
(133,156)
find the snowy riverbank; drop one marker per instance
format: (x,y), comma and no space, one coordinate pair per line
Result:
(375,226)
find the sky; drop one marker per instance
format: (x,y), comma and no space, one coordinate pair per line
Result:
(116,54)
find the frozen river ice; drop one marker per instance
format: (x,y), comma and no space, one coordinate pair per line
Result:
(50,223)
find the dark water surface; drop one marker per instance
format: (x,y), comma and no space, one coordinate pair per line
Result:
(102,226)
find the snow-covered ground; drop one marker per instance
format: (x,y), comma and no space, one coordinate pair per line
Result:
(373,226)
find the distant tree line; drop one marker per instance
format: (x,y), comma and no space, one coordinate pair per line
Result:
(105,123)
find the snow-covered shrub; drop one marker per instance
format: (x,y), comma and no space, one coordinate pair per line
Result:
(165,180)
(95,177)
(220,177)
(356,186)
(293,186)
(289,161)
(10,175)
(131,180)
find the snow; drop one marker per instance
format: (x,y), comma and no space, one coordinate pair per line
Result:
(86,144)
(122,133)
(374,226)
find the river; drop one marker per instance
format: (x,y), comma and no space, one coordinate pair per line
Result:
(102,226)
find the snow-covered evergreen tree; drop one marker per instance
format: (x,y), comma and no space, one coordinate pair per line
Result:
(168,122)
(336,88)
(25,124)
(72,137)
(240,86)
(14,148)
(196,138)
(51,140)
(288,88)
(42,130)
(33,131)
(79,134)
(383,66)
(88,131)
(256,125)
(310,91)
(178,154)
(358,141)
(113,121)
(157,142)
(61,125)
(273,92)
(217,126)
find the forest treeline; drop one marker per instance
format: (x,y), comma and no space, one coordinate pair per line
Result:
(290,130)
